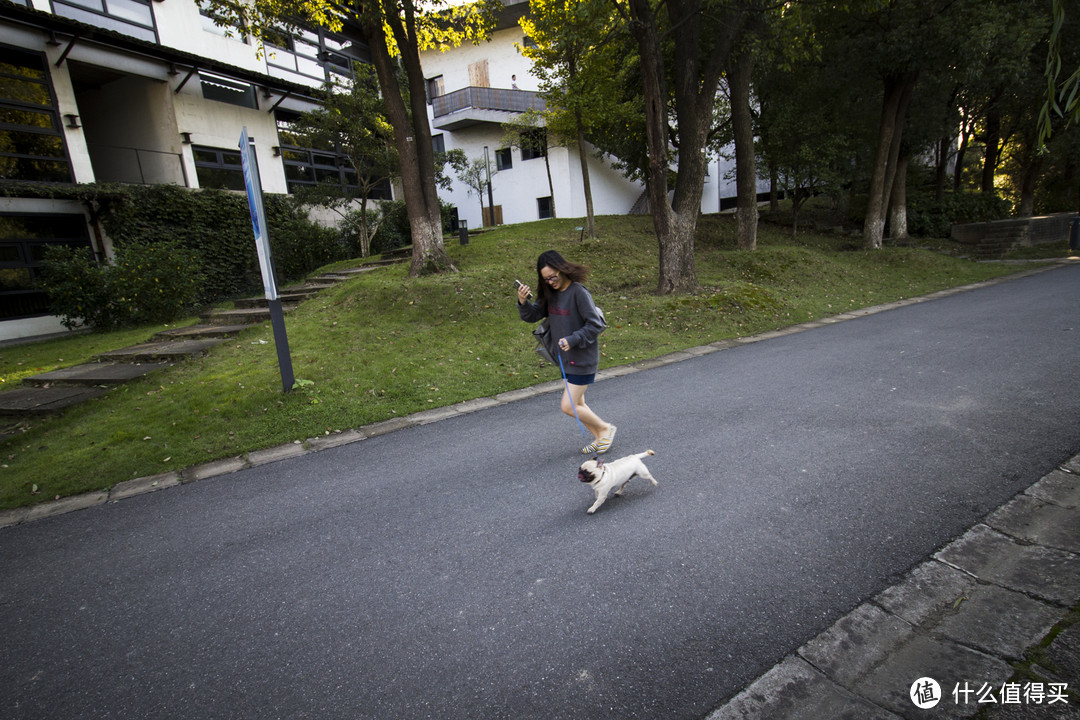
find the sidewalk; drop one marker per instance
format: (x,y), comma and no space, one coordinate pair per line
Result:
(997,596)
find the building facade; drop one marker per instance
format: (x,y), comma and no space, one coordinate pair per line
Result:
(139,91)
(474,89)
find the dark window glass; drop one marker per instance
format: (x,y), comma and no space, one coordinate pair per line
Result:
(438,143)
(534,145)
(218,168)
(503,159)
(23,239)
(31,139)
(228,91)
(543,207)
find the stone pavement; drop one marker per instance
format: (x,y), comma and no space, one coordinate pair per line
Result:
(998,595)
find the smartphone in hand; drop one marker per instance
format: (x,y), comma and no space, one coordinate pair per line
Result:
(518,283)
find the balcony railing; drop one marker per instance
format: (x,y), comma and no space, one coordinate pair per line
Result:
(483,98)
(136,166)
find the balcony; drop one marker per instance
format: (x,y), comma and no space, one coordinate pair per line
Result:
(475,105)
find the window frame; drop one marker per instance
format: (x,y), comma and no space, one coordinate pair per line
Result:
(228,170)
(82,11)
(52,111)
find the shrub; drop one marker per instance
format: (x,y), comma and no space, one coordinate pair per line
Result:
(148,283)
(931,218)
(216,225)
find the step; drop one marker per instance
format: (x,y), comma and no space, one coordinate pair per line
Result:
(94,374)
(200,331)
(41,401)
(239,316)
(169,350)
(294,297)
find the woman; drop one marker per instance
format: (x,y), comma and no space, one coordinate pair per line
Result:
(575,321)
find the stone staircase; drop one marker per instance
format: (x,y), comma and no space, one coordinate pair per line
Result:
(57,390)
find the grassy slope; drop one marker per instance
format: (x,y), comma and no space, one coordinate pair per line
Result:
(384,345)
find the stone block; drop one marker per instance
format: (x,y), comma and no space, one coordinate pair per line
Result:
(793,690)
(999,621)
(66,505)
(1046,573)
(947,663)
(856,643)
(1031,519)
(927,591)
(138,486)
(281,452)
(1059,487)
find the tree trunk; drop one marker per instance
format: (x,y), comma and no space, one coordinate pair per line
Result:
(940,171)
(412,135)
(697,79)
(583,158)
(890,126)
(961,150)
(993,140)
(746,214)
(898,228)
(1030,170)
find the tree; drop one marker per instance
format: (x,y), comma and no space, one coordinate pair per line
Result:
(1062,96)
(566,34)
(701,35)
(394,31)
(351,121)
(476,174)
(528,132)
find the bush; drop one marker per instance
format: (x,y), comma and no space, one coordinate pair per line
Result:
(148,283)
(931,218)
(216,225)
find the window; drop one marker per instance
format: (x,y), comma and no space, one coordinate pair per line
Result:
(23,239)
(310,53)
(131,17)
(218,168)
(307,167)
(438,143)
(434,88)
(528,42)
(31,138)
(214,22)
(503,159)
(215,87)
(543,207)
(534,144)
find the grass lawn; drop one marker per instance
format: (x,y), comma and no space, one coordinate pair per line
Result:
(384,345)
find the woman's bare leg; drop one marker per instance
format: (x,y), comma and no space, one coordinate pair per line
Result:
(589,419)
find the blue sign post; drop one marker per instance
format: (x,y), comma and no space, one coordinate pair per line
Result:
(266,261)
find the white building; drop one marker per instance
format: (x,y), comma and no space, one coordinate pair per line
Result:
(138,91)
(473,89)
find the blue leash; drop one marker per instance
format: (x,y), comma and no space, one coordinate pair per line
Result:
(572,406)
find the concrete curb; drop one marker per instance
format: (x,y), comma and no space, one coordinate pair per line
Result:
(297,448)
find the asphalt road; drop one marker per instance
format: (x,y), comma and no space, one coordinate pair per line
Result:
(450,570)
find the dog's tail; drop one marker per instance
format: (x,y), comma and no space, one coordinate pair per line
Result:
(647,452)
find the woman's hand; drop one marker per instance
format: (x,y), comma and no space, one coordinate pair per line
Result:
(523,294)
(564,345)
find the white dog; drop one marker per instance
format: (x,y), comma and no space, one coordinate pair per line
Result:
(604,476)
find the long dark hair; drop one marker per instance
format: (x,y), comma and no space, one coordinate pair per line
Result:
(555,261)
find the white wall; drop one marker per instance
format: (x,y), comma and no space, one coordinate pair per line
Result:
(517,189)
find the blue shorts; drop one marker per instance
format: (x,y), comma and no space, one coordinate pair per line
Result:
(580,379)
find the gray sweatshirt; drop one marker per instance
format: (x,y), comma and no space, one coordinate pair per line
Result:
(572,315)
